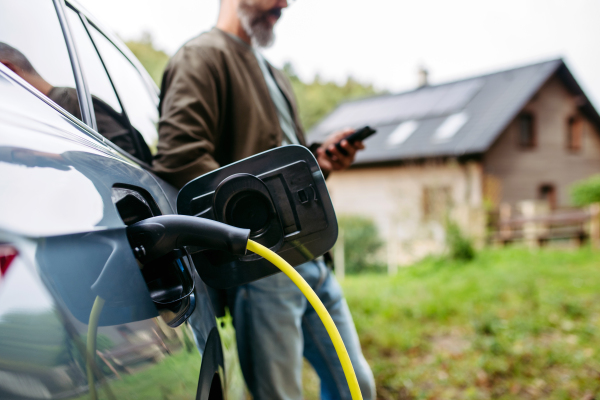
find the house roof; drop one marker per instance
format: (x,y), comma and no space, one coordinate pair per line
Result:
(452,119)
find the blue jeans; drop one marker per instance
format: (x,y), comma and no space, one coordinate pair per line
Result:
(276,326)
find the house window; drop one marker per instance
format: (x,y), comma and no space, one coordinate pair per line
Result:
(437,201)
(547,192)
(574,134)
(526,131)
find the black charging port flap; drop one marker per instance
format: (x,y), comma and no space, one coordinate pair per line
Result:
(279,195)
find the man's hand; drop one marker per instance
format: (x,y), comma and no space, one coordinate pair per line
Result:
(337,161)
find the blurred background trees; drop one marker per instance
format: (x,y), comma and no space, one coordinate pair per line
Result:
(152,59)
(586,191)
(361,244)
(318,98)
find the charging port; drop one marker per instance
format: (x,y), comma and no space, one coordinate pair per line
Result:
(132,205)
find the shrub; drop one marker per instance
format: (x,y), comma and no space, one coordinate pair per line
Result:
(361,242)
(460,247)
(586,191)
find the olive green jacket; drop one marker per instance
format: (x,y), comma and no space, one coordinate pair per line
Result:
(216,108)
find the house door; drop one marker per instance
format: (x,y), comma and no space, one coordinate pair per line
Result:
(547,192)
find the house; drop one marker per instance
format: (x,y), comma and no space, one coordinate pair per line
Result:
(459,148)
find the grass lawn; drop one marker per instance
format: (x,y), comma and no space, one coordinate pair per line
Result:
(513,323)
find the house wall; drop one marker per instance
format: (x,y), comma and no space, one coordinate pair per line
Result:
(520,172)
(393,197)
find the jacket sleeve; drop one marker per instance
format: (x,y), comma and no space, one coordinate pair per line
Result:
(190,117)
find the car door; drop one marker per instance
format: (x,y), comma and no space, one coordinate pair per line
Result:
(66,199)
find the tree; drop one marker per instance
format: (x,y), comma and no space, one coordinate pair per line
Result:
(152,59)
(361,243)
(460,247)
(586,191)
(316,99)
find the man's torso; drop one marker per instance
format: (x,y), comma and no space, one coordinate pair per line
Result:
(214,93)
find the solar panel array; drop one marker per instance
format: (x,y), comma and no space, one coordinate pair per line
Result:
(451,119)
(423,103)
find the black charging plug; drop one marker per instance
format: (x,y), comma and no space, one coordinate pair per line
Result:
(156,236)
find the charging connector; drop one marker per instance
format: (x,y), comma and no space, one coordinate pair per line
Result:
(151,239)
(154,237)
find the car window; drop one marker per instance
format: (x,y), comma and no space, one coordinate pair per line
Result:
(140,105)
(33,46)
(97,81)
(111,122)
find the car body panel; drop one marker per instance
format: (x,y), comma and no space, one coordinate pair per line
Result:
(56,208)
(42,346)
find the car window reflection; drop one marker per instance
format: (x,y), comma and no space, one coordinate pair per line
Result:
(16,61)
(111,124)
(141,107)
(110,119)
(98,81)
(33,28)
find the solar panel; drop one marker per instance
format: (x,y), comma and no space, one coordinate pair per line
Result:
(426,102)
(457,96)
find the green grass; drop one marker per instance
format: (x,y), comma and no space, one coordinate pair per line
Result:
(510,324)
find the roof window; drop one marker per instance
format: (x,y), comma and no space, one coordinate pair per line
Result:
(402,132)
(450,126)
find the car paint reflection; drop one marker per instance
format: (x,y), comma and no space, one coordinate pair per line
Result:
(60,216)
(42,340)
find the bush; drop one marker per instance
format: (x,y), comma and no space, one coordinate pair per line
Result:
(150,57)
(460,247)
(586,191)
(361,242)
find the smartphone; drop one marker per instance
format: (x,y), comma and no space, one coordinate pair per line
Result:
(358,136)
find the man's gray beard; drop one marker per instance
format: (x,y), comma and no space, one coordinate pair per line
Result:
(259,30)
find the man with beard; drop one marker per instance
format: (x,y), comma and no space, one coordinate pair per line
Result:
(221,101)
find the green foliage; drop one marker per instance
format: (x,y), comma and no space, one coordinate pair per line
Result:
(586,191)
(152,59)
(361,242)
(459,246)
(515,324)
(316,99)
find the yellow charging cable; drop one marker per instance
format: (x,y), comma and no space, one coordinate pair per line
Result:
(314,300)
(91,344)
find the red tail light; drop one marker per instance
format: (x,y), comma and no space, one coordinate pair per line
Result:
(7,255)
